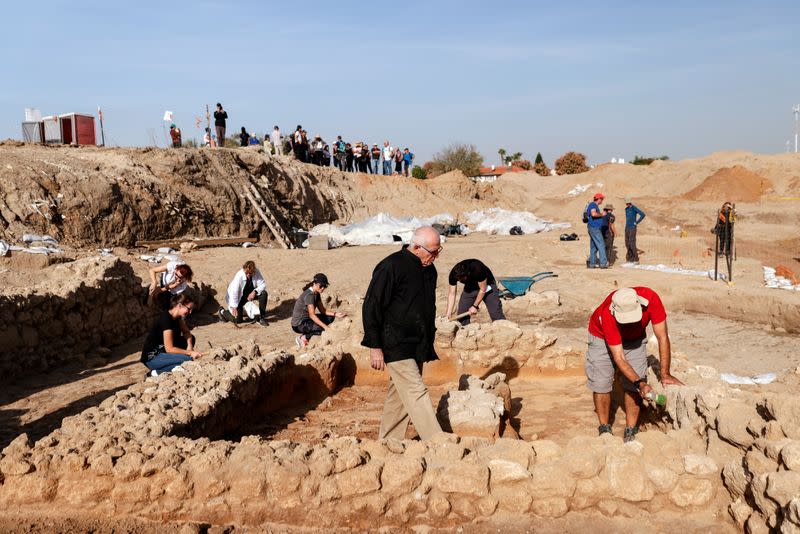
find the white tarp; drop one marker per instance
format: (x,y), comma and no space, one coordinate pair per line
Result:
(674,270)
(500,221)
(778,282)
(377,230)
(381,229)
(766,378)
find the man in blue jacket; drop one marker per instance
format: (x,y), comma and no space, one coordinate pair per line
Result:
(633,216)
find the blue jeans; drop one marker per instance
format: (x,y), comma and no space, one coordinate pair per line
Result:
(375,164)
(166,362)
(387,167)
(597,247)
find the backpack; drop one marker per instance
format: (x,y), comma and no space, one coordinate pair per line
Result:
(586,214)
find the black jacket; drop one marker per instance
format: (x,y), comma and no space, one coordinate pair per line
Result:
(399,311)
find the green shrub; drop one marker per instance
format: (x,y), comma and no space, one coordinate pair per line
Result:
(571,163)
(458,156)
(541,169)
(642,160)
(418,172)
(538,159)
(522,163)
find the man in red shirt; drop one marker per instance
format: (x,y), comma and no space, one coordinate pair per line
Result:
(618,341)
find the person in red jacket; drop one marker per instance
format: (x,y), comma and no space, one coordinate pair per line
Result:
(618,342)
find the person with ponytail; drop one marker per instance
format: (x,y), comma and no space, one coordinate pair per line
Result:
(309,316)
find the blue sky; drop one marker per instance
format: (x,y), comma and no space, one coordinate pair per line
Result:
(608,79)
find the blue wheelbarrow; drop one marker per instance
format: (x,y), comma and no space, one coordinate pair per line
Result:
(516,286)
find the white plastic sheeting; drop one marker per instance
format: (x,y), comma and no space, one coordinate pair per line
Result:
(500,221)
(675,270)
(766,378)
(578,189)
(381,229)
(377,230)
(778,282)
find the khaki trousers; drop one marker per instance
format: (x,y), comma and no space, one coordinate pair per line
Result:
(407,399)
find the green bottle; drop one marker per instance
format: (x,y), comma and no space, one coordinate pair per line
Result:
(657,398)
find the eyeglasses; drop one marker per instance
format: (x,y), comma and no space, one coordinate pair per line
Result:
(435,252)
(187,308)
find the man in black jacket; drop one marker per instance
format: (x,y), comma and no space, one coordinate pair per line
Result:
(399,315)
(219,125)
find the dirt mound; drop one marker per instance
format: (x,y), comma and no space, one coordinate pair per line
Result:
(92,196)
(733,184)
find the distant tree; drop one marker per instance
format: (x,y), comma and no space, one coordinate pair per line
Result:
(522,163)
(571,163)
(541,169)
(642,160)
(418,172)
(458,156)
(538,159)
(429,168)
(502,152)
(513,157)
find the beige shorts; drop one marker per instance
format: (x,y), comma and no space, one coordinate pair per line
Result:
(600,367)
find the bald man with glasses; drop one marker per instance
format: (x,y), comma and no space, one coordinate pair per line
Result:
(399,314)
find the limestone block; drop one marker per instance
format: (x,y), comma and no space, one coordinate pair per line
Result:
(793,511)
(786,411)
(546,450)
(512,497)
(441,454)
(550,480)
(691,491)
(740,512)
(783,486)
(504,471)
(401,475)
(473,412)
(757,464)
(736,478)
(464,478)
(438,506)
(588,492)
(361,480)
(696,464)
(663,479)
(514,450)
(758,489)
(790,456)
(626,477)
(549,507)
(732,420)
(582,459)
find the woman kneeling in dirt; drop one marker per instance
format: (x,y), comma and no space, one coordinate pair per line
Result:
(170,343)
(175,279)
(309,317)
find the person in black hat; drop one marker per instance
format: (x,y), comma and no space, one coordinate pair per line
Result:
(309,316)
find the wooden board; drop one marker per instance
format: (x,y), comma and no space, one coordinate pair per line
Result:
(199,243)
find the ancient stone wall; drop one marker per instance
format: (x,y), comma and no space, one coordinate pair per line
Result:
(77,311)
(124,457)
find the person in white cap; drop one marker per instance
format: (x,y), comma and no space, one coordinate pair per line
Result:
(618,341)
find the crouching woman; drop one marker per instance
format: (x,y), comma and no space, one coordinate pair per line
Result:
(309,316)
(170,343)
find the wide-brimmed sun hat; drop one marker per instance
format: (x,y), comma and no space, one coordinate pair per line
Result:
(626,305)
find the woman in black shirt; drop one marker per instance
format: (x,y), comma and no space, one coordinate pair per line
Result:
(170,343)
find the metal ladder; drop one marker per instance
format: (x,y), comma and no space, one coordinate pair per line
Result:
(254,196)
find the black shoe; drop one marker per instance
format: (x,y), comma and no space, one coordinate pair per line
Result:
(603,429)
(630,433)
(263,322)
(221,315)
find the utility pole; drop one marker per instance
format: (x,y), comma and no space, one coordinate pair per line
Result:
(796,111)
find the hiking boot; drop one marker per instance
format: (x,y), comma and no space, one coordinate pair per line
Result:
(630,433)
(263,322)
(604,429)
(221,315)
